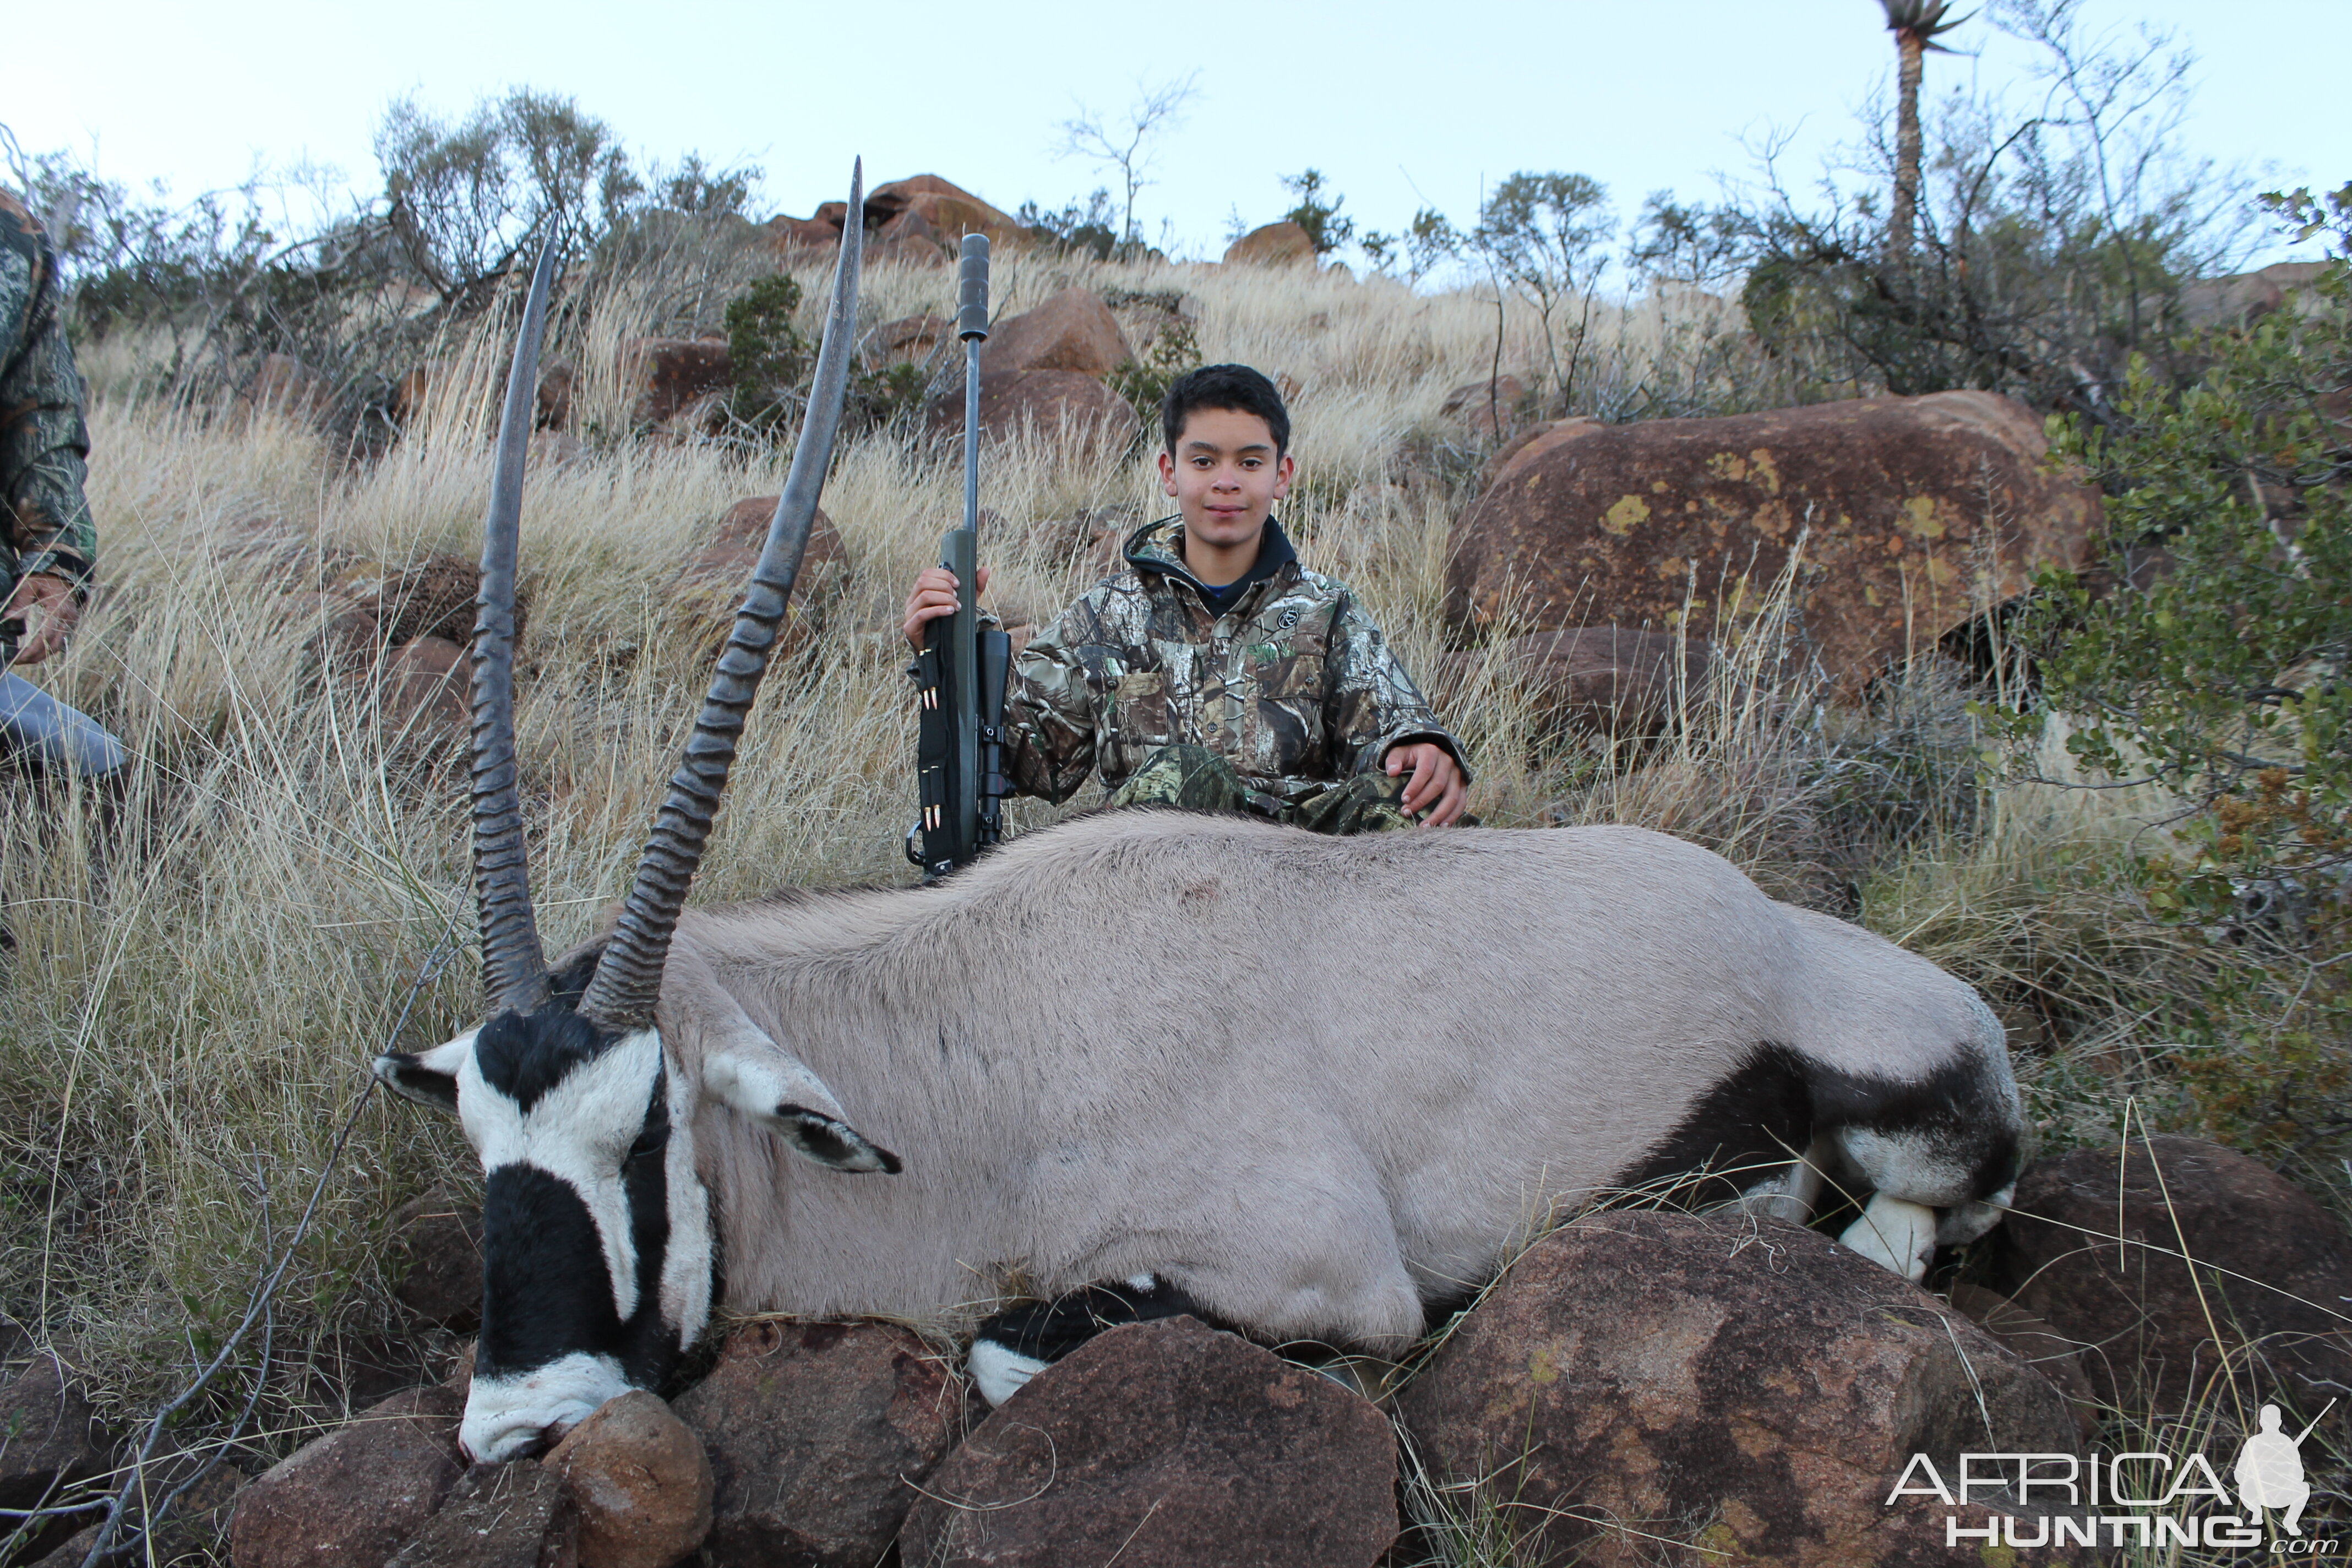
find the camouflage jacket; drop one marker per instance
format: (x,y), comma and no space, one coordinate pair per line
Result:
(1295,684)
(43,441)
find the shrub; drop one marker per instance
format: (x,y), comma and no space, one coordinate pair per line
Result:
(770,358)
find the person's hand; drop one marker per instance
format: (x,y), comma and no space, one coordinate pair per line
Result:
(52,596)
(1436,783)
(935,596)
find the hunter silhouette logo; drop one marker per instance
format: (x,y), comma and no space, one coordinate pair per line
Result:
(2270,1471)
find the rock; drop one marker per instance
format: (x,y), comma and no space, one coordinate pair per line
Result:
(425,694)
(285,386)
(804,239)
(442,1242)
(431,597)
(1677,1368)
(1627,524)
(733,549)
(1060,405)
(817,1435)
(910,340)
(937,212)
(1613,680)
(641,1480)
(712,584)
(1283,243)
(350,1498)
(1165,1445)
(552,406)
(673,374)
(2050,1352)
(2246,298)
(51,1435)
(515,1515)
(1071,330)
(1488,410)
(2276,1268)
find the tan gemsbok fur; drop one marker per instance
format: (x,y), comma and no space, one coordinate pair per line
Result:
(1309,1088)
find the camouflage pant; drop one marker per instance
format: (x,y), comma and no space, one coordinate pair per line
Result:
(1194,778)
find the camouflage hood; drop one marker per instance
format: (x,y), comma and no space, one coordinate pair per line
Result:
(1295,685)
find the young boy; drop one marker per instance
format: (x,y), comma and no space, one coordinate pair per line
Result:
(1215,673)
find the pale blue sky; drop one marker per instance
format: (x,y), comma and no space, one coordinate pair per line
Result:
(1399,104)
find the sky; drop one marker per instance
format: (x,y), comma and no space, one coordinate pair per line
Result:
(1399,105)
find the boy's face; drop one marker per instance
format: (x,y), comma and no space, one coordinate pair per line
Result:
(1225,476)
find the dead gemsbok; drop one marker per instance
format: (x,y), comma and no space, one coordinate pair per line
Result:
(1306,1087)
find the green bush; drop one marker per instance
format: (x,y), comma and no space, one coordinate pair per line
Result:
(2224,681)
(770,357)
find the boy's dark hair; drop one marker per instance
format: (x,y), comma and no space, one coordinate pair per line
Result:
(1233,387)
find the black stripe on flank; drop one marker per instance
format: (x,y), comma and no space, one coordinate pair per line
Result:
(1760,1116)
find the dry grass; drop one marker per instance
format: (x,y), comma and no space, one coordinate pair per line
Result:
(208,957)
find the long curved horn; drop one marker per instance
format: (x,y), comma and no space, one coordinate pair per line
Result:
(514,966)
(628,977)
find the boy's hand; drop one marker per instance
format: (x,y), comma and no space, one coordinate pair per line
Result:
(935,596)
(53,596)
(1436,783)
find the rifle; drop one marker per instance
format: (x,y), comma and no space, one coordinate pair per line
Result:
(960,675)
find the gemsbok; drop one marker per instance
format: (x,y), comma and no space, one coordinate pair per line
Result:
(1142,1062)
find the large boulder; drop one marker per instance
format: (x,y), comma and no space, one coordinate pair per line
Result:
(1283,243)
(1071,330)
(2273,1272)
(936,211)
(1165,1445)
(1062,406)
(676,375)
(818,1435)
(1747,1384)
(354,1497)
(1918,514)
(640,1480)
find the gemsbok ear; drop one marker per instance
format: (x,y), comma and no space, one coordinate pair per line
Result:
(782,1095)
(429,1079)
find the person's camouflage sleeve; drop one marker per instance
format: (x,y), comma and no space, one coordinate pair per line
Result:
(1295,686)
(1371,703)
(1052,705)
(43,442)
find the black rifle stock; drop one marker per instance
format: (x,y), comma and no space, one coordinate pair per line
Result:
(960,675)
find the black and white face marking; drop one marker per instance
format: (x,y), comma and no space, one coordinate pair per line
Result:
(596,1232)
